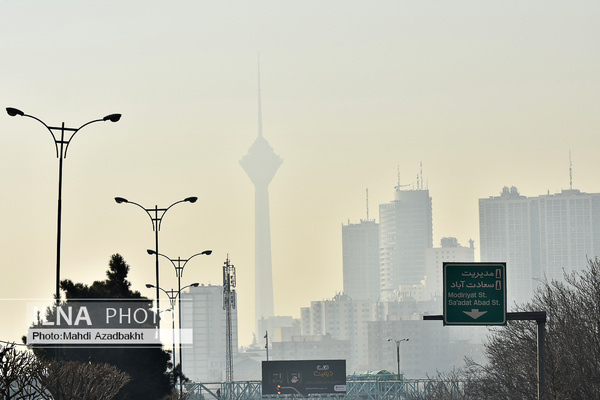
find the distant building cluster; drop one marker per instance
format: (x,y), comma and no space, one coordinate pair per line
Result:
(392,276)
(395,258)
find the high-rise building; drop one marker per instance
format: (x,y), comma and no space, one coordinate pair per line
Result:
(569,230)
(405,232)
(260,164)
(508,233)
(202,312)
(539,237)
(360,257)
(449,251)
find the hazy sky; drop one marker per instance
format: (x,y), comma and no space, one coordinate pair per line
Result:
(484,94)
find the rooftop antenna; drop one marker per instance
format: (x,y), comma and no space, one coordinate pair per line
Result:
(367,204)
(570,172)
(259,102)
(399,185)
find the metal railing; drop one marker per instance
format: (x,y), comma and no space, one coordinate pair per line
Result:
(356,389)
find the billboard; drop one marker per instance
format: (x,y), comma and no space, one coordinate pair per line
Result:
(304,377)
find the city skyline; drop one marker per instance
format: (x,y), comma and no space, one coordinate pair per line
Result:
(485,96)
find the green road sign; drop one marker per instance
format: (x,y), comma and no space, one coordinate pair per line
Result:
(474,293)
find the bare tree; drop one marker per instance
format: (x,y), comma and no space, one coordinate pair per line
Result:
(444,386)
(71,380)
(18,374)
(572,345)
(24,376)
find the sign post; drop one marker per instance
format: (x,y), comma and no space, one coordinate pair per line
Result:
(474,293)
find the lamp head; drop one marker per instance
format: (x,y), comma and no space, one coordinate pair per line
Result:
(120,200)
(112,117)
(151,252)
(207,252)
(195,284)
(14,111)
(148,285)
(191,199)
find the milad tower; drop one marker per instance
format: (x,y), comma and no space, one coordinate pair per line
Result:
(260,164)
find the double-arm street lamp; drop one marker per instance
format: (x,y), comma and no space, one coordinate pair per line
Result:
(61,144)
(398,341)
(156,215)
(173,295)
(179,264)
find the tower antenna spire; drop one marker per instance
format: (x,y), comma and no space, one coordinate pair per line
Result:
(260,133)
(570,172)
(421,172)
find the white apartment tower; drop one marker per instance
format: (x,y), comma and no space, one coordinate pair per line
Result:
(405,233)
(569,230)
(202,311)
(508,233)
(539,237)
(360,257)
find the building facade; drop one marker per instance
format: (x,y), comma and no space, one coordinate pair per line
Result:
(342,318)
(508,233)
(405,233)
(539,237)
(569,230)
(360,257)
(449,251)
(204,360)
(315,347)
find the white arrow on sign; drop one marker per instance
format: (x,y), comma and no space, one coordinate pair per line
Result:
(475,313)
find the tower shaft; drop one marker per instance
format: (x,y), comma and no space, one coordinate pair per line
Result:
(262,254)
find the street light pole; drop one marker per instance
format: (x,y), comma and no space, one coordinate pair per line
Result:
(61,145)
(173,295)
(181,263)
(156,219)
(398,341)
(267,343)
